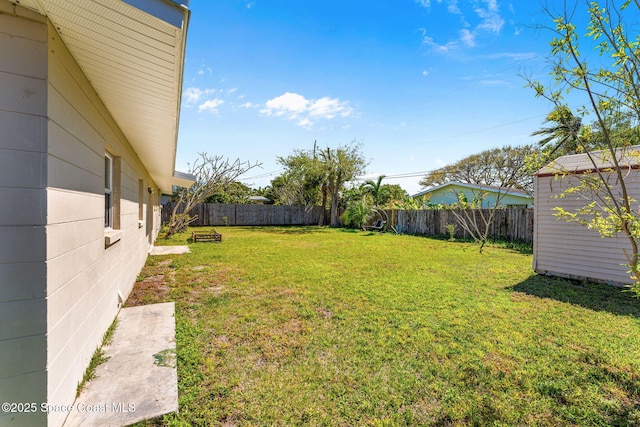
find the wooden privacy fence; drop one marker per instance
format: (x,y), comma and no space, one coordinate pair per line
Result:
(508,223)
(218,214)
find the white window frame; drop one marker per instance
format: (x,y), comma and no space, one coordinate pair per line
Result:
(108,191)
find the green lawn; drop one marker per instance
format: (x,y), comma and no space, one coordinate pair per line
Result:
(317,326)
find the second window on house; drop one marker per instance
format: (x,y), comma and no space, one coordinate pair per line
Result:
(108,191)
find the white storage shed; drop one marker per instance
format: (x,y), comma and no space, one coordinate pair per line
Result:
(572,250)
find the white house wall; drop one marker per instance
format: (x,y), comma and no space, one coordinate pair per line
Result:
(60,287)
(572,250)
(23,153)
(85,279)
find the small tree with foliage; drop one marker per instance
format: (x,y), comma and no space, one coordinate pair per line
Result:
(609,85)
(358,212)
(472,217)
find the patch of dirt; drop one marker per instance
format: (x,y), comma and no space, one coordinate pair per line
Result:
(324,313)
(150,290)
(153,287)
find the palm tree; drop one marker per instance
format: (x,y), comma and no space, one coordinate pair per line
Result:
(563,136)
(375,189)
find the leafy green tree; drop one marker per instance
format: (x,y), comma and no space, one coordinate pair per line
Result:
(339,166)
(234,193)
(383,196)
(500,167)
(301,182)
(609,87)
(560,138)
(314,176)
(392,194)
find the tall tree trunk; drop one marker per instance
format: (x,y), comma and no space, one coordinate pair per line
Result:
(323,216)
(335,196)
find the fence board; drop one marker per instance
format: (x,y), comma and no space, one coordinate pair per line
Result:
(508,223)
(213,214)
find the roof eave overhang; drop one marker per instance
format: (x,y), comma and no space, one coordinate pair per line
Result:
(132,52)
(181,179)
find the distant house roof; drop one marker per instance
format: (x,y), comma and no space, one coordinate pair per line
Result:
(580,163)
(133,53)
(489,188)
(260,199)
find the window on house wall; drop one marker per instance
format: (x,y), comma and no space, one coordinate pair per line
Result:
(140,200)
(112,169)
(108,191)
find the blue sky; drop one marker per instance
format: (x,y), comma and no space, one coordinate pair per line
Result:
(419,84)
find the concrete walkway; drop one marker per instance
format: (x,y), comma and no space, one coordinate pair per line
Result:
(169,250)
(139,381)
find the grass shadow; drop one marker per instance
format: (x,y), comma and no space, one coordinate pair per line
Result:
(594,296)
(289,229)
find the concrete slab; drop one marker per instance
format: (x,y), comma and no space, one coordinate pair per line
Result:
(139,381)
(169,250)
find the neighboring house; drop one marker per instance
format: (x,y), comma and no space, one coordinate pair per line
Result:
(567,249)
(446,194)
(259,200)
(89,105)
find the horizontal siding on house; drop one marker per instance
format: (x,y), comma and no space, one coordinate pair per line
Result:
(23,132)
(22,280)
(22,356)
(27,206)
(84,277)
(571,249)
(23,121)
(24,388)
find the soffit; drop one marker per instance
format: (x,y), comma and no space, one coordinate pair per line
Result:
(134,60)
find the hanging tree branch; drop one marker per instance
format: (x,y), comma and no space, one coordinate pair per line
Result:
(213,173)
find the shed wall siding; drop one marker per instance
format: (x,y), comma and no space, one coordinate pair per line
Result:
(572,250)
(85,278)
(23,122)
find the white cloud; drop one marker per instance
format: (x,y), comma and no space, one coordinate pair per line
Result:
(294,106)
(211,105)
(328,108)
(490,22)
(289,104)
(442,48)
(452,7)
(305,123)
(248,105)
(204,69)
(193,95)
(425,73)
(516,56)
(467,37)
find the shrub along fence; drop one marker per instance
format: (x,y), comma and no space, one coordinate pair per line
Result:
(509,223)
